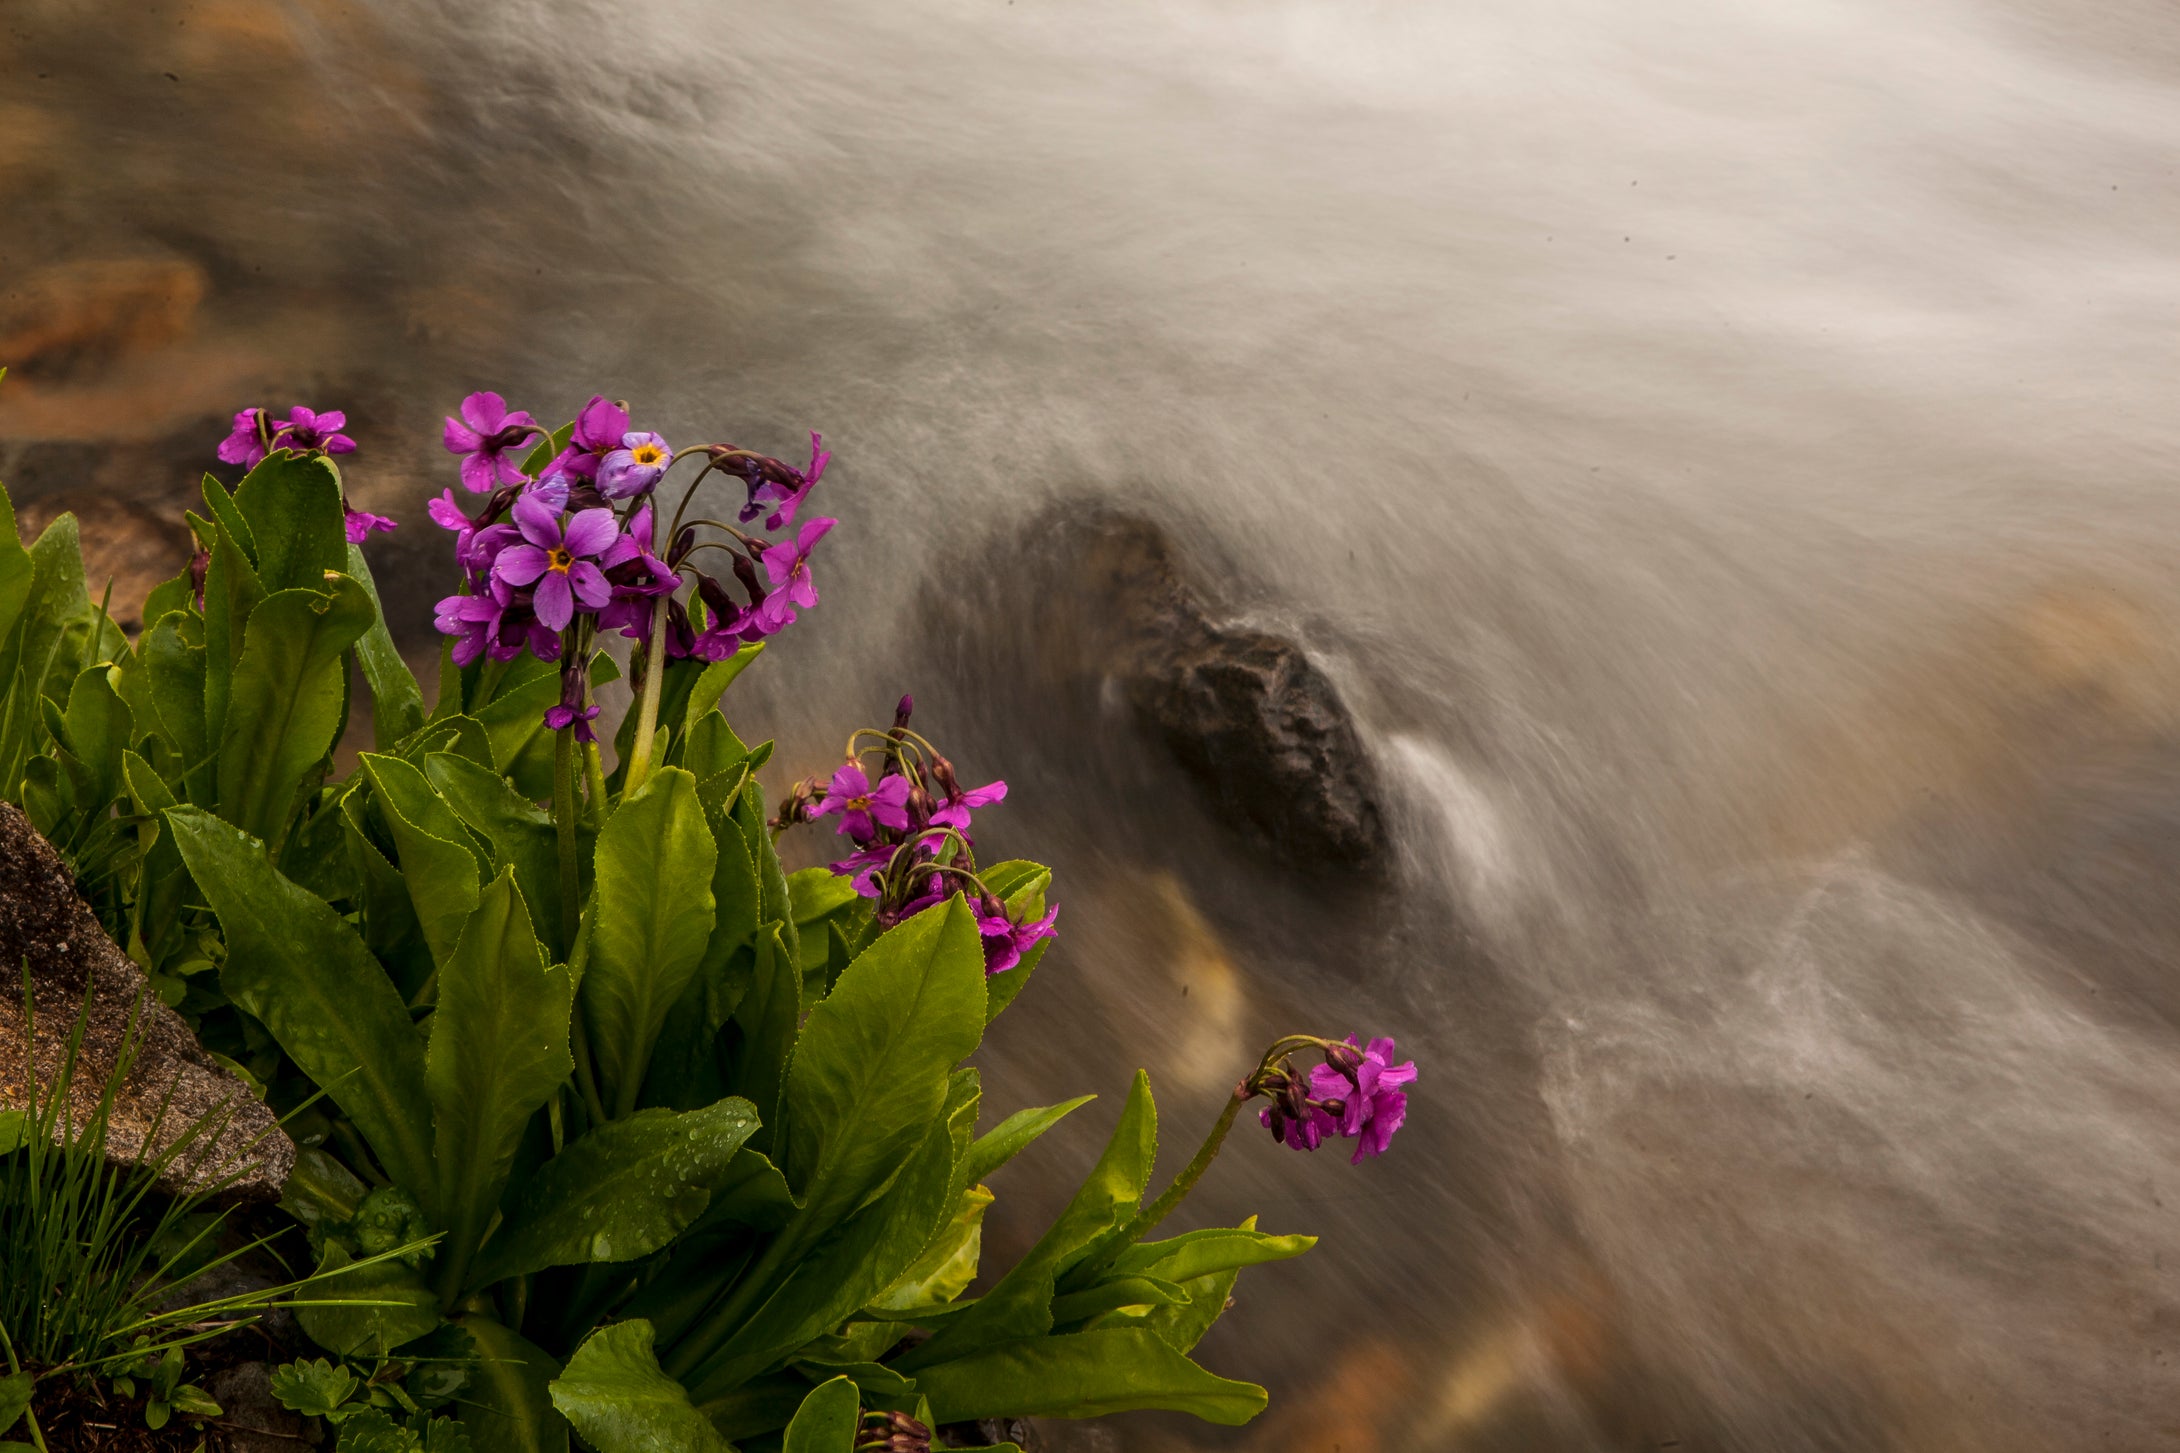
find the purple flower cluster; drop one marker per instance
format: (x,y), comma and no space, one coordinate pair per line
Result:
(255,434)
(555,558)
(1354,1094)
(910,835)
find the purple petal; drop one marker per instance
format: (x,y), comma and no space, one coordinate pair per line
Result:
(555,601)
(521,564)
(478,475)
(486,411)
(460,438)
(590,584)
(538,521)
(590,532)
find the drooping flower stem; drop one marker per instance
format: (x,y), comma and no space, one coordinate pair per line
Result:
(564,811)
(1174,1194)
(647,709)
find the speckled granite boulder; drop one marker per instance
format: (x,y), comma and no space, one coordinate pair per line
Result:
(44,924)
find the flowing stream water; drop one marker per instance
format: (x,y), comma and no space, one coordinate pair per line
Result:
(1722,452)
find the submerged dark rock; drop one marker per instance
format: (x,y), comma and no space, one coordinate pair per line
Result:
(172,1084)
(1246,713)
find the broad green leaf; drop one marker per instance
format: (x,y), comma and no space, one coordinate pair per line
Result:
(1183,1326)
(31,654)
(622,1191)
(653,907)
(220,504)
(1205,1253)
(1011,1136)
(397,702)
(619,1400)
(173,657)
(817,893)
(753,1194)
(312,1388)
(15,581)
(438,861)
(287,701)
(517,832)
(1020,1305)
(507,1407)
(826,1421)
(390,928)
(294,964)
(232,590)
(736,895)
(499,1049)
(15,1391)
(1086,1375)
(768,1013)
(947,1266)
(773,902)
(713,682)
(99,731)
(817,1286)
(297,535)
(409,1309)
(1112,1295)
(871,1064)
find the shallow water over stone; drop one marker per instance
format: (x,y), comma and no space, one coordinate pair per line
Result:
(1720,453)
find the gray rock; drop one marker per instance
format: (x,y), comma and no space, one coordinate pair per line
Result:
(1246,713)
(45,925)
(252,1420)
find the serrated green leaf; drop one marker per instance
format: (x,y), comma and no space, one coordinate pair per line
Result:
(15,1391)
(622,1191)
(1011,1136)
(297,534)
(173,658)
(1204,1253)
(1020,1305)
(826,1421)
(869,1138)
(287,701)
(508,1408)
(439,862)
(947,1266)
(297,967)
(499,1049)
(313,1388)
(1085,1375)
(616,1396)
(397,702)
(653,916)
(403,1306)
(516,832)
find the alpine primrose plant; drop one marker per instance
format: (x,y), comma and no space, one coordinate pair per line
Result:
(680,1147)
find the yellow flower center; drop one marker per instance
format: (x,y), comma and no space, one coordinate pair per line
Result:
(645,453)
(860,804)
(559,559)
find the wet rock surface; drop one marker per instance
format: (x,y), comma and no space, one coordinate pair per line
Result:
(1245,712)
(172,1084)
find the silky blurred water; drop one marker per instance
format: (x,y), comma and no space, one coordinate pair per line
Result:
(1721,451)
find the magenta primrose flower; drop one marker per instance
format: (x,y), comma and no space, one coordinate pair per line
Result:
(360,524)
(245,442)
(307,430)
(599,429)
(863,808)
(635,467)
(954,812)
(1005,941)
(791,500)
(485,435)
(788,563)
(1356,1095)
(570,711)
(561,561)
